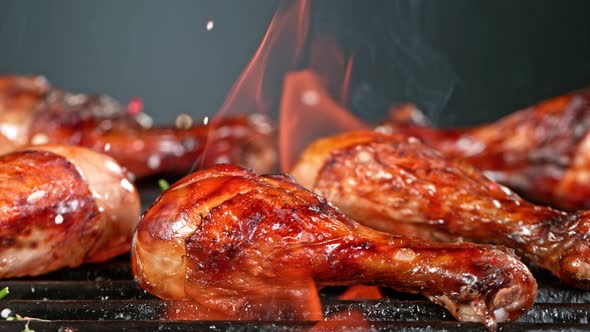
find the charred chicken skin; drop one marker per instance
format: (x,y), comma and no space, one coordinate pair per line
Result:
(31,113)
(399,185)
(232,241)
(541,152)
(62,206)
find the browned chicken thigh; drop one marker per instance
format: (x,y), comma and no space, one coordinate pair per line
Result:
(31,112)
(233,241)
(542,152)
(397,184)
(62,206)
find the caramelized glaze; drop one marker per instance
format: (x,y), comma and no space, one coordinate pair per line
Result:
(254,247)
(401,186)
(33,113)
(52,216)
(542,152)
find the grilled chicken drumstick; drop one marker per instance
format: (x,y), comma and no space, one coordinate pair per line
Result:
(33,113)
(62,206)
(227,239)
(399,185)
(542,152)
(18,95)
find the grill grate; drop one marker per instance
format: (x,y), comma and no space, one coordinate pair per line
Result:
(104,297)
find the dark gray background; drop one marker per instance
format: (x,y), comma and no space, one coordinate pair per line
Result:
(463,61)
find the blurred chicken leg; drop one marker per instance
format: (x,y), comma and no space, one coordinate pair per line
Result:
(62,206)
(31,113)
(542,152)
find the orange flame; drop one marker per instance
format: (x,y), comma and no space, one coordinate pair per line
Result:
(311,100)
(361,292)
(345,90)
(279,52)
(313,103)
(297,300)
(328,61)
(260,82)
(308,112)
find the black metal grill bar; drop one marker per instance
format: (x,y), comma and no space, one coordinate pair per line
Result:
(117,269)
(374,311)
(104,289)
(104,297)
(562,295)
(173,326)
(75,290)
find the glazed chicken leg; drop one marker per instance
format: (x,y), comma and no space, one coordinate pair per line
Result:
(18,95)
(229,239)
(62,206)
(542,152)
(399,185)
(33,113)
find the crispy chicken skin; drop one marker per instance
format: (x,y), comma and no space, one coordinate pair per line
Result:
(542,152)
(31,113)
(62,206)
(399,185)
(231,240)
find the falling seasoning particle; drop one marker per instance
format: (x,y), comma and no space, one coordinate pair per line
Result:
(184,121)
(5,313)
(206,120)
(135,105)
(209,25)
(144,120)
(153,161)
(35,196)
(59,219)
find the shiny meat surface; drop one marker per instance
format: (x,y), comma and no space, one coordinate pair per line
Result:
(399,185)
(62,206)
(31,115)
(251,247)
(542,152)
(19,95)
(6,145)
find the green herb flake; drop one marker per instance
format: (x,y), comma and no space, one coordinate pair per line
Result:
(163,184)
(3,292)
